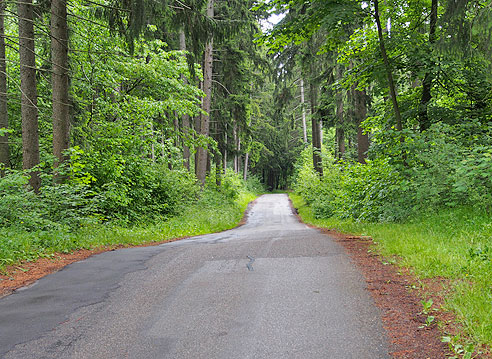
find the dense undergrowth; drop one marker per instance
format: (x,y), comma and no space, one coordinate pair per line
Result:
(431,214)
(163,205)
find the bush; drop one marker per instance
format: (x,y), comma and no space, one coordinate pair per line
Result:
(474,177)
(18,206)
(254,184)
(54,207)
(438,173)
(232,185)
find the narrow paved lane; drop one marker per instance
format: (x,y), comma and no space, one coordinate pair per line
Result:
(273,288)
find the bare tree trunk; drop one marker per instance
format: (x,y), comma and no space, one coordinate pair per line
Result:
(315,129)
(304,130)
(163,143)
(186,118)
(339,128)
(206,103)
(225,150)
(238,154)
(360,104)
(234,134)
(245,171)
(196,122)
(389,72)
(424,121)
(29,108)
(60,79)
(176,130)
(218,169)
(4,119)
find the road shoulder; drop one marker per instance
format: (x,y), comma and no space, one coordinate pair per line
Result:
(396,292)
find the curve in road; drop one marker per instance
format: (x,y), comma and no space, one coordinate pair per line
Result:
(273,288)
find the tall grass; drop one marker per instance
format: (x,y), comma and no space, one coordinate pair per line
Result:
(455,244)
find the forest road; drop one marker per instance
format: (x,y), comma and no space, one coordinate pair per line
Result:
(273,288)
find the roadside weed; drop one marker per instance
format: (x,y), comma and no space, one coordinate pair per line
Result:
(460,351)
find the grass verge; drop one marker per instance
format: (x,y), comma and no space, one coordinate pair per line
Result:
(452,244)
(212,213)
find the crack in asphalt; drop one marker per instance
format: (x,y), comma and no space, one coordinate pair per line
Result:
(250,263)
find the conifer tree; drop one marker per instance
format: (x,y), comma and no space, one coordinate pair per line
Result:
(4,123)
(29,108)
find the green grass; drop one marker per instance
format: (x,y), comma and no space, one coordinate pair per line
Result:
(210,214)
(455,244)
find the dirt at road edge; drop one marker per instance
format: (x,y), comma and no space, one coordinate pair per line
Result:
(27,273)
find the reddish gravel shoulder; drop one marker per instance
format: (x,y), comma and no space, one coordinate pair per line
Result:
(400,305)
(389,285)
(399,295)
(26,273)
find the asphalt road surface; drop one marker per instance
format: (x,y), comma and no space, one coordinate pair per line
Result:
(273,288)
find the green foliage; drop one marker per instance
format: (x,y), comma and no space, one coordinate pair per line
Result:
(145,190)
(441,171)
(63,218)
(349,190)
(254,185)
(459,350)
(474,174)
(231,185)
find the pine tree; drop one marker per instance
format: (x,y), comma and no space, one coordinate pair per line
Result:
(29,108)
(4,121)
(202,154)
(60,79)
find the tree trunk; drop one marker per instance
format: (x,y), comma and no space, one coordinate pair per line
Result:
(424,122)
(304,130)
(218,169)
(196,124)
(238,154)
(245,170)
(29,108)
(225,150)
(389,72)
(186,118)
(315,129)
(163,145)
(4,120)
(206,103)
(360,105)
(234,136)
(176,130)
(60,79)
(339,128)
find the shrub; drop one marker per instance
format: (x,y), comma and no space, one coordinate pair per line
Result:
(147,190)
(232,184)
(438,172)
